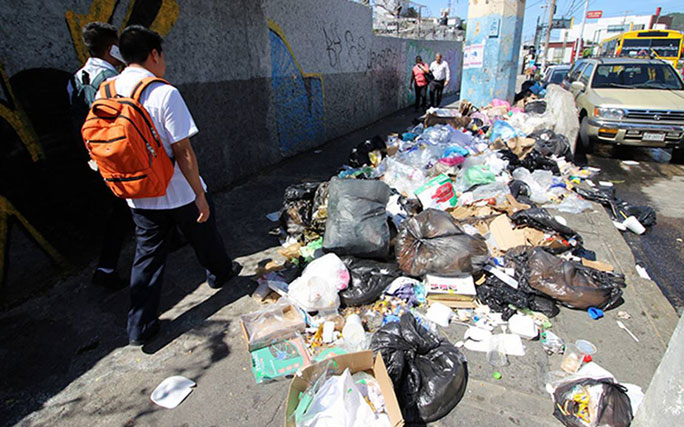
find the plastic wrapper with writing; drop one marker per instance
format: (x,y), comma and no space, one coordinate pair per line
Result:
(429,375)
(592,402)
(570,283)
(357,220)
(432,242)
(369,279)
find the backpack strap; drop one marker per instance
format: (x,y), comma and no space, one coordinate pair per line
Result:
(107,90)
(143,84)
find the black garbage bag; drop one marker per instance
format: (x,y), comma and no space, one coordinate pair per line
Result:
(548,143)
(645,214)
(520,192)
(613,409)
(537,161)
(357,220)
(570,283)
(498,295)
(319,208)
(535,107)
(359,154)
(429,374)
(369,279)
(541,219)
(432,242)
(295,215)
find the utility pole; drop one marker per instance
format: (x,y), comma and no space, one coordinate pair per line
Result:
(552,9)
(581,37)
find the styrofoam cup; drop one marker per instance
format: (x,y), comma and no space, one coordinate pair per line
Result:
(634,225)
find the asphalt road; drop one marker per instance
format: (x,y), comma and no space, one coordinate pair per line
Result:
(656,183)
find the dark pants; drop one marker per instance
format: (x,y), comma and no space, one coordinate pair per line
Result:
(117,225)
(153,236)
(421,95)
(436,88)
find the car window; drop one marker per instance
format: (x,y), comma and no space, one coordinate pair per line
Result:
(637,76)
(586,73)
(575,72)
(558,76)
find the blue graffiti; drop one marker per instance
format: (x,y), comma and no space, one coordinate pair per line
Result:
(298,100)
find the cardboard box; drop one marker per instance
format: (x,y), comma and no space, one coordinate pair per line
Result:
(361,361)
(280,359)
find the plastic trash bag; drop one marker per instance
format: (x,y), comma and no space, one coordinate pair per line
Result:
(549,143)
(538,182)
(504,131)
(520,191)
(536,107)
(357,220)
(432,242)
(316,289)
(369,279)
(541,219)
(568,282)
(537,161)
(295,215)
(429,374)
(338,402)
(498,296)
(403,178)
(592,402)
(474,175)
(560,105)
(359,154)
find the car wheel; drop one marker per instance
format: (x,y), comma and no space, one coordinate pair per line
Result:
(677,156)
(585,139)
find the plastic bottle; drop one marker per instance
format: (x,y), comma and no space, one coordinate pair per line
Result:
(353,333)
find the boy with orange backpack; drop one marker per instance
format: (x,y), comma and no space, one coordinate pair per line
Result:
(138,131)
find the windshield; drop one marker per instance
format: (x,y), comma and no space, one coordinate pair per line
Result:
(666,48)
(636,76)
(558,75)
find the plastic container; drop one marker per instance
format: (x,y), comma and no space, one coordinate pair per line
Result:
(586,347)
(572,360)
(496,356)
(634,225)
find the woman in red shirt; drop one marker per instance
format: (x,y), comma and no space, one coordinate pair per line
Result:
(418,76)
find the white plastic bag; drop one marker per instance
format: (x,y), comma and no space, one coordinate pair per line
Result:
(338,404)
(316,289)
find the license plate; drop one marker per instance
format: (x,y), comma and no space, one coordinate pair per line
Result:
(659,137)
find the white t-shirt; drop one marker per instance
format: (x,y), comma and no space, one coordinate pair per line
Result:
(93,66)
(173,121)
(440,71)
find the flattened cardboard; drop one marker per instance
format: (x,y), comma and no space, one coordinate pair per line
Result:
(504,234)
(361,361)
(598,265)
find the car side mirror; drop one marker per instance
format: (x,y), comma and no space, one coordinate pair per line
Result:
(578,86)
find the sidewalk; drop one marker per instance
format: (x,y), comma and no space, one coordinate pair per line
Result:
(66,362)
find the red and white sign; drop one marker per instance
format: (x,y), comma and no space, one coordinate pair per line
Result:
(594,14)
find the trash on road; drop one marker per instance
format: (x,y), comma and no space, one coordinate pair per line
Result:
(172,391)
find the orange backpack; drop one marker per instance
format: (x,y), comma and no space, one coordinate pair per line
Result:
(120,136)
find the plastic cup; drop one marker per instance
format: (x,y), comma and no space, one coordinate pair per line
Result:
(572,360)
(496,356)
(634,225)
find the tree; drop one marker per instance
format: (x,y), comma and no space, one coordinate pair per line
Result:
(411,12)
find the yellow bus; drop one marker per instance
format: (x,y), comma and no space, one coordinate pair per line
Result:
(660,44)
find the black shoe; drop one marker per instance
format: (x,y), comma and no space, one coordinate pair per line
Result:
(111,281)
(218,283)
(149,334)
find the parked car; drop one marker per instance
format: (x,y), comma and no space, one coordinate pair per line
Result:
(624,101)
(555,74)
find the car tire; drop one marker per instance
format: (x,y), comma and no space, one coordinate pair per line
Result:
(584,138)
(677,156)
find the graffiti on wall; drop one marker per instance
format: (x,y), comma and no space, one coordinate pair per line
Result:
(159,15)
(298,97)
(348,51)
(44,183)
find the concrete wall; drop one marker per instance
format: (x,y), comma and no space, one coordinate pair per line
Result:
(263,79)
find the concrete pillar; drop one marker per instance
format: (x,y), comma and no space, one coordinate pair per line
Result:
(492,49)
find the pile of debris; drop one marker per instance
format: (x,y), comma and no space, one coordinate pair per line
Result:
(455,219)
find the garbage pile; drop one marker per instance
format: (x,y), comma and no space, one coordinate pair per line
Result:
(456,219)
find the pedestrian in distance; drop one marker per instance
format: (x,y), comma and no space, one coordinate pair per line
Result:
(420,75)
(101,40)
(170,192)
(440,71)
